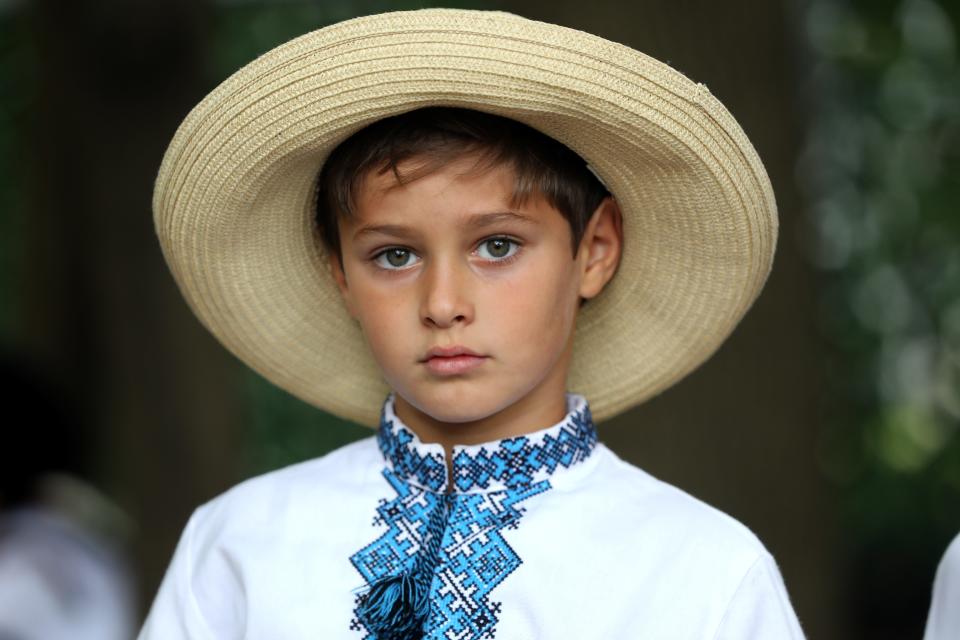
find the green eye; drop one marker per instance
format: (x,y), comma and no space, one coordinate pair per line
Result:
(394,258)
(498,248)
(398,257)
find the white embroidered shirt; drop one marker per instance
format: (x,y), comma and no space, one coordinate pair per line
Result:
(549,535)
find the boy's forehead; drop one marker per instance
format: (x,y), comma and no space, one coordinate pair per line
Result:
(472,222)
(468,198)
(462,182)
(468,164)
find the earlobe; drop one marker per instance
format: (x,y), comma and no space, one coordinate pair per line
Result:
(602,246)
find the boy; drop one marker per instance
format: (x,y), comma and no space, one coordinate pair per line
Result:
(509,229)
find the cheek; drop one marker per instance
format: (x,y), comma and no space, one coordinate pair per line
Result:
(382,313)
(536,309)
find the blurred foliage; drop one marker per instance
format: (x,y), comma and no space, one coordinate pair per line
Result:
(18,62)
(880,166)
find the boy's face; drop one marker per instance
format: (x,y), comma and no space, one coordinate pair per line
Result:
(445,261)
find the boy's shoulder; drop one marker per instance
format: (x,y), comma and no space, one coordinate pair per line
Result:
(690,562)
(340,468)
(279,495)
(667,517)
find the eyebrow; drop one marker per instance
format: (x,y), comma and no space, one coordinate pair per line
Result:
(474,222)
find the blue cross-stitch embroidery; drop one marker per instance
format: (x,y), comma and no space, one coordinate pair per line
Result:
(510,462)
(474,557)
(490,484)
(397,444)
(518,461)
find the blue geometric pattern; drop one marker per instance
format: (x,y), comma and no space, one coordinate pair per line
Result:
(400,447)
(517,461)
(406,517)
(475,559)
(499,465)
(492,480)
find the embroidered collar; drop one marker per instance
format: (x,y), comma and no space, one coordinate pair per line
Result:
(489,466)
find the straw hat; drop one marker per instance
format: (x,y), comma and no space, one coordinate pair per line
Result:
(234,197)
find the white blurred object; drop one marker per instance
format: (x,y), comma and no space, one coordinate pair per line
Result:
(943,623)
(61,573)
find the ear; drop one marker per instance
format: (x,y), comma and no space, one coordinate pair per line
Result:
(341,279)
(600,248)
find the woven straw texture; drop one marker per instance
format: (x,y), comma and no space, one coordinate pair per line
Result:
(234,195)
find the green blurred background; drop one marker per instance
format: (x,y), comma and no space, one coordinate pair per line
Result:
(828,423)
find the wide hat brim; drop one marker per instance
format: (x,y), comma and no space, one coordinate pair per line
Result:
(234,198)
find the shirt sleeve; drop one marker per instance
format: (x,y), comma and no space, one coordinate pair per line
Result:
(943,622)
(176,612)
(760,608)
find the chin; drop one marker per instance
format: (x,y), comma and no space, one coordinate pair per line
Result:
(455,417)
(457,405)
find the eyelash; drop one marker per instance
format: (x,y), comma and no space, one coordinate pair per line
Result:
(375,259)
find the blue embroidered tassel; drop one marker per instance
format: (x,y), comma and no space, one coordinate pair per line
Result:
(397,606)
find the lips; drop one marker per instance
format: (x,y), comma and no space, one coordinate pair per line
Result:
(447,361)
(449,352)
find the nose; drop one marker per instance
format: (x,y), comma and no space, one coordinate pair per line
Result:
(445,299)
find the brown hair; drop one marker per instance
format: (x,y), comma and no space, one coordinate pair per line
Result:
(439,135)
